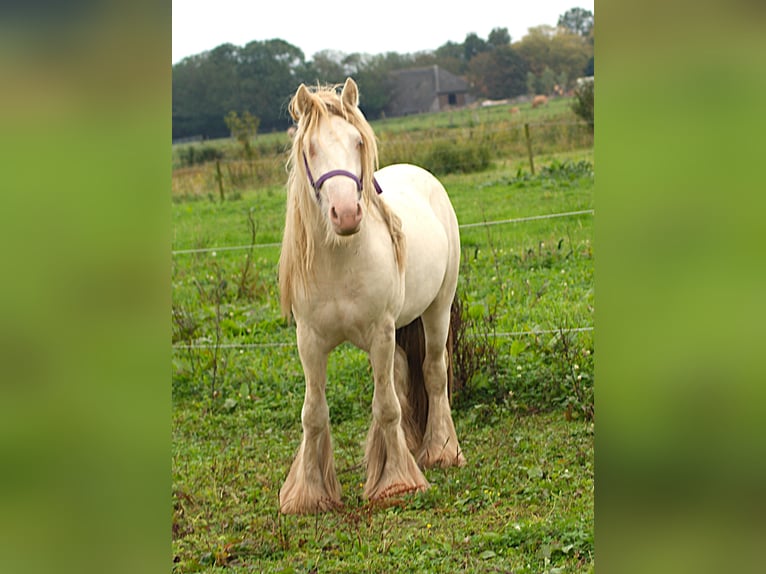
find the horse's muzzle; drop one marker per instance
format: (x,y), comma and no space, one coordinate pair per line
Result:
(346,219)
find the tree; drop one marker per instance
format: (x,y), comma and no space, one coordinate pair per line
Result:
(204,89)
(499,73)
(327,67)
(450,57)
(373,76)
(449,50)
(583,104)
(257,79)
(188,95)
(531,83)
(269,72)
(577,21)
(568,56)
(499,37)
(563,53)
(547,81)
(473,46)
(535,47)
(221,75)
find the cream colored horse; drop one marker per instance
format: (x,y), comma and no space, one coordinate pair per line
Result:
(362,266)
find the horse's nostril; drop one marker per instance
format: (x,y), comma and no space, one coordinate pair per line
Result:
(333,213)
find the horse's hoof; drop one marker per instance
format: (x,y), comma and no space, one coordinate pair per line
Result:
(395,490)
(441,460)
(294,506)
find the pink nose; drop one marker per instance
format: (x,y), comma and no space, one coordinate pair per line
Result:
(346,220)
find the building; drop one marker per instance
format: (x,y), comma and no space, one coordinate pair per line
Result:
(429,89)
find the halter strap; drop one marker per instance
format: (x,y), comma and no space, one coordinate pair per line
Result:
(317,185)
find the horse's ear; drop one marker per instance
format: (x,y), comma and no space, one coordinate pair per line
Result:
(350,94)
(300,103)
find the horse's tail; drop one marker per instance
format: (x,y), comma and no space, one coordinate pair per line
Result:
(410,381)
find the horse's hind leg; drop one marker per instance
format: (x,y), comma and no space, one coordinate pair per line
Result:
(440,446)
(312,484)
(391,468)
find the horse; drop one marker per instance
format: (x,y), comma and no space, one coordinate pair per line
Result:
(370,257)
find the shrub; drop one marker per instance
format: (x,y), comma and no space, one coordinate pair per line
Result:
(474,355)
(445,157)
(583,104)
(194,155)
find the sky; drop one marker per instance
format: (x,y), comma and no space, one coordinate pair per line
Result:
(401,26)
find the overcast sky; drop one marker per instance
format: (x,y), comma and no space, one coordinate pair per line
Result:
(402,26)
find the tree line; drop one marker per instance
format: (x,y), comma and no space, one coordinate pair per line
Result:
(259,77)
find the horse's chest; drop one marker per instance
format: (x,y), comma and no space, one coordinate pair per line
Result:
(362,285)
(353,292)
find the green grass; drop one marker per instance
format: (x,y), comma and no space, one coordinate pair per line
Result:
(523,503)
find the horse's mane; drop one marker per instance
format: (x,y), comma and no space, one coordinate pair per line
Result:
(298,242)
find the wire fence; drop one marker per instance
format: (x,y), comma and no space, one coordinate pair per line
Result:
(500,335)
(504,335)
(463,226)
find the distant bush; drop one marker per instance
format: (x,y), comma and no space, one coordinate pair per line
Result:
(445,157)
(583,104)
(194,155)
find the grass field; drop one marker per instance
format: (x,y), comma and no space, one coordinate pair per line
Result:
(523,408)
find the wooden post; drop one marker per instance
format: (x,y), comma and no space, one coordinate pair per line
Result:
(219,177)
(529,149)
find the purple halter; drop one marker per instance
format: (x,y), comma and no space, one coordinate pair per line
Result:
(317,185)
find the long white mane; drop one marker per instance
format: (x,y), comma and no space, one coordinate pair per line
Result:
(303,215)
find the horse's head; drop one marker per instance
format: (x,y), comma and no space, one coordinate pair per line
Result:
(332,146)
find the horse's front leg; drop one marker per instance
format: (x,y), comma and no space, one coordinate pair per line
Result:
(312,485)
(391,468)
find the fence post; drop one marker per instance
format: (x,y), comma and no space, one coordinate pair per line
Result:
(529,148)
(219,178)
